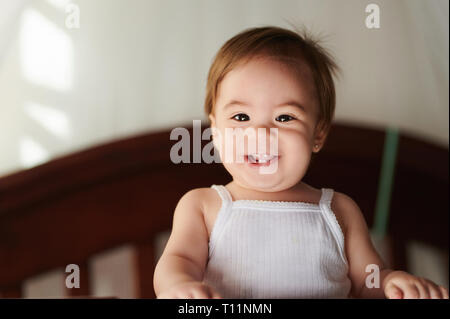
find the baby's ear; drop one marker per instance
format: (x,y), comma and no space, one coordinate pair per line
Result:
(320,135)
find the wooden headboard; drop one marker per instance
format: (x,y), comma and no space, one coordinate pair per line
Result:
(126,191)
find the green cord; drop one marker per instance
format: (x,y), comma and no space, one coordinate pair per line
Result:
(386,182)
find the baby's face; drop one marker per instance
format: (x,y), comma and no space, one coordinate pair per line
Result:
(264,93)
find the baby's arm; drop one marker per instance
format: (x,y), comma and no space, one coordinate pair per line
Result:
(179,271)
(360,253)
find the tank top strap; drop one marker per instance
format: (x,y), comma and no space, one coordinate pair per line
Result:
(224,194)
(222,218)
(326,197)
(330,218)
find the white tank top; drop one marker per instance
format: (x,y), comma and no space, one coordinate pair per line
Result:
(277,249)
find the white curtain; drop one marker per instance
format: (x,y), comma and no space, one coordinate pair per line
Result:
(141,65)
(9,13)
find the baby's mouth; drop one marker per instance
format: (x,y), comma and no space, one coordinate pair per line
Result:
(260,159)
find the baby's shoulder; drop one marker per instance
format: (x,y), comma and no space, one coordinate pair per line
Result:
(207,202)
(204,198)
(344,208)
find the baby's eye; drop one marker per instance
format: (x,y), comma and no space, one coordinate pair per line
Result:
(241,117)
(284,118)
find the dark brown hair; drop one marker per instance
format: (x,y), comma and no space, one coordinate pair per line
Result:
(293,48)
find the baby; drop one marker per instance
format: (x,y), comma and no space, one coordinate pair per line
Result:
(269,234)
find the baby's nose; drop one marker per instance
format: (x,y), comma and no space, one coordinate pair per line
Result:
(265,140)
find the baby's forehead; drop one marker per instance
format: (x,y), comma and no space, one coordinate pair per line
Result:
(273,75)
(293,64)
(297,70)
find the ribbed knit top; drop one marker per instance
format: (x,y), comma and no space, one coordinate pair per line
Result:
(277,249)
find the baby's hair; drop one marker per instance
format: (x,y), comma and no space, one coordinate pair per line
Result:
(289,47)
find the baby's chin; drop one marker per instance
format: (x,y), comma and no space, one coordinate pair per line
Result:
(265,182)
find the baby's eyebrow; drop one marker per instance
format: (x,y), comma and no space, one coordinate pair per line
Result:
(236,102)
(293,103)
(287,103)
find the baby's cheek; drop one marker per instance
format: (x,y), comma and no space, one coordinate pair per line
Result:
(232,142)
(294,141)
(295,152)
(228,145)
(219,142)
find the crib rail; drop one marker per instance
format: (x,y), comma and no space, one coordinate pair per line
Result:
(124,192)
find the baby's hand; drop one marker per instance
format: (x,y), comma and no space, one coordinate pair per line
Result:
(191,290)
(401,285)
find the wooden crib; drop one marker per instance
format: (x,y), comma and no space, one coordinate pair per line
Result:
(125,192)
